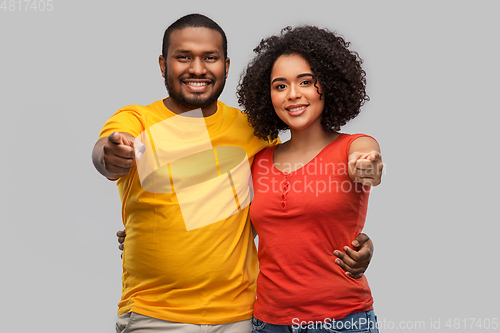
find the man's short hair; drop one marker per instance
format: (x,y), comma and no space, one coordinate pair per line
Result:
(193,21)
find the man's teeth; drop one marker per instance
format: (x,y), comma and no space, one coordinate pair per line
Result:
(197,84)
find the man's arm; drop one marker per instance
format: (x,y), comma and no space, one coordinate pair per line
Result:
(355,262)
(113,156)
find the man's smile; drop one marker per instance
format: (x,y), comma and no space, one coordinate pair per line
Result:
(197,85)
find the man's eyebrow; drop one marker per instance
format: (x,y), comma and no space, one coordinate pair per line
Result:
(189,51)
(298,77)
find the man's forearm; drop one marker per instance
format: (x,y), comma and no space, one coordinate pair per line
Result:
(98,158)
(114,156)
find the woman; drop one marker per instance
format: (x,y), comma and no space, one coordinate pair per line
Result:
(311,192)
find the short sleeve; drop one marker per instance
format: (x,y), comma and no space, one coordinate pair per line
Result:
(351,139)
(128,119)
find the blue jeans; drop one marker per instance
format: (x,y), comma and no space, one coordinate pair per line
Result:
(361,322)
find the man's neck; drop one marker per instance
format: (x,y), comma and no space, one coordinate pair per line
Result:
(177,109)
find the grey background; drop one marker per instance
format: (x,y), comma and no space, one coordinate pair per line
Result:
(432,70)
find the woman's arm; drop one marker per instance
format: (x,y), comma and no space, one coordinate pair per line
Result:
(365,161)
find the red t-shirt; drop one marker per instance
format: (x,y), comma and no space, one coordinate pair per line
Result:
(301,217)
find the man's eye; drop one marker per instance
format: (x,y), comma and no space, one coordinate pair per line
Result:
(211,58)
(182,57)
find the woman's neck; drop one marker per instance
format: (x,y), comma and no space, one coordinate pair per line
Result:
(308,140)
(303,146)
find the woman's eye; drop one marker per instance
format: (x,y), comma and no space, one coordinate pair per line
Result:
(280,86)
(306,82)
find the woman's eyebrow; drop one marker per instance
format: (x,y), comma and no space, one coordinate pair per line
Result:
(298,77)
(278,79)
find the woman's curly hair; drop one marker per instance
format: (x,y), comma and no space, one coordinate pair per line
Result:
(334,66)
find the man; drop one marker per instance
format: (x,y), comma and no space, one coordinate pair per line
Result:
(182,170)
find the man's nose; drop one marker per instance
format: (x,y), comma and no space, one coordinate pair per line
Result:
(197,67)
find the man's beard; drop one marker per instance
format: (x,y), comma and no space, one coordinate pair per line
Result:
(195,102)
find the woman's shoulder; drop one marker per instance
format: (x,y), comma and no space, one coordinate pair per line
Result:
(264,153)
(265,156)
(350,138)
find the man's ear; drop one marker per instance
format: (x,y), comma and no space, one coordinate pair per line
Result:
(163,65)
(227,66)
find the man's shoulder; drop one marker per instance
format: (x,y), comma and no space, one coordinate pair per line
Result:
(229,112)
(226,108)
(135,111)
(140,108)
(132,119)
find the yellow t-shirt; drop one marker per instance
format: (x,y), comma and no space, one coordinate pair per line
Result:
(189,254)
